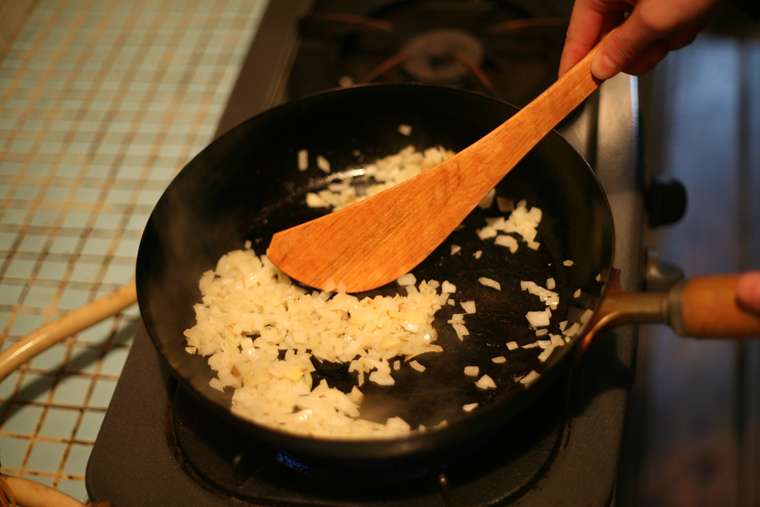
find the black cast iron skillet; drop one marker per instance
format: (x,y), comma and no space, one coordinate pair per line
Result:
(246,186)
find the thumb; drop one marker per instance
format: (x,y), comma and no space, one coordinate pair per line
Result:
(622,47)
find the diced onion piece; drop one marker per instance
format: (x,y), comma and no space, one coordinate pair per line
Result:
(407,279)
(478,254)
(572,330)
(471,371)
(531,377)
(557,340)
(568,263)
(485,382)
(539,319)
(323,164)
(416,365)
(303,160)
(487,200)
(405,130)
(541,332)
(455,249)
(448,287)
(468,306)
(551,283)
(512,345)
(543,356)
(507,242)
(489,283)
(499,359)
(486,232)
(460,330)
(469,407)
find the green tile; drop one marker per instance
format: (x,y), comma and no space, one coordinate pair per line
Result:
(89,426)
(73,298)
(102,394)
(40,296)
(64,244)
(113,362)
(96,246)
(44,218)
(85,272)
(30,242)
(52,270)
(9,294)
(13,451)
(76,219)
(97,333)
(59,423)
(50,360)
(76,461)
(35,387)
(71,390)
(20,268)
(23,420)
(119,274)
(25,323)
(45,457)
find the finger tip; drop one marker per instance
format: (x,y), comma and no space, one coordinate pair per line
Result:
(602,67)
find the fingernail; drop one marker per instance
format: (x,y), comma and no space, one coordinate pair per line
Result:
(602,67)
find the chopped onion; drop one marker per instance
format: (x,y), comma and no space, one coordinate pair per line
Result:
(512,345)
(471,371)
(499,359)
(405,130)
(539,319)
(489,283)
(468,306)
(323,164)
(485,382)
(478,254)
(416,365)
(469,407)
(407,279)
(531,377)
(455,249)
(303,162)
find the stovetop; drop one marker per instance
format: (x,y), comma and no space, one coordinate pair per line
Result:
(155,448)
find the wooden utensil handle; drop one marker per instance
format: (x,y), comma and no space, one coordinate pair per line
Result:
(710,308)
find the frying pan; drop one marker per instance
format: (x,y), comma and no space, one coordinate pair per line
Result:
(246,185)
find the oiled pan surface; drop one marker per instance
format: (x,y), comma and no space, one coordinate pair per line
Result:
(246,186)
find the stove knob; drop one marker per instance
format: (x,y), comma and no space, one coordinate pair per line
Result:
(665,201)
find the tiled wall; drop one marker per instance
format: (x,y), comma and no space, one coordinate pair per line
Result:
(101,103)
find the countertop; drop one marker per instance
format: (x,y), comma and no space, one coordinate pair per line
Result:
(101,104)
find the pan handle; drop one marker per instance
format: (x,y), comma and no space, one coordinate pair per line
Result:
(703,307)
(708,308)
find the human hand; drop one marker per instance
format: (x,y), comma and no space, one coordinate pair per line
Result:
(641,40)
(748,291)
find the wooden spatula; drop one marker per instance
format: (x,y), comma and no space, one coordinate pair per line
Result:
(375,241)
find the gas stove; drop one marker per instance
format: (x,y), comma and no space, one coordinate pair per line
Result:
(157,446)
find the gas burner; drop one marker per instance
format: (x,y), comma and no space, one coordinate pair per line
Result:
(497,48)
(441,56)
(228,460)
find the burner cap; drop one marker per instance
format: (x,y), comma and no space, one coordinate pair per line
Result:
(441,56)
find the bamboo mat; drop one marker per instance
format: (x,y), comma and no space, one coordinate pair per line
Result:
(101,103)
